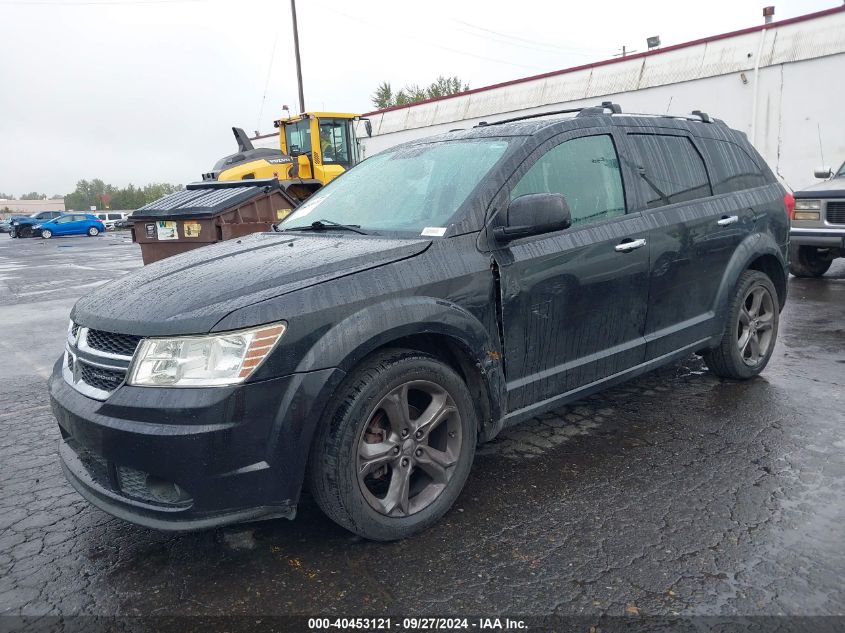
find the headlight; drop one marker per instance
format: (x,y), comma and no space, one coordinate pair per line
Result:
(36,226)
(203,361)
(803,205)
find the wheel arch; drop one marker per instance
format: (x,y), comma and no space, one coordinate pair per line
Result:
(433,326)
(760,252)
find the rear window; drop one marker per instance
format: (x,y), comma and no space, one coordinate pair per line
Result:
(671,169)
(731,168)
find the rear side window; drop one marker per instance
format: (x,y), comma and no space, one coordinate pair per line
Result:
(731,168)
(670,168)
(586,171)
(114,216)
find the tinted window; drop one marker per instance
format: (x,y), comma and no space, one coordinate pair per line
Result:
(114,216)
(670,168)
(586,171)
(65,219)
(731,169)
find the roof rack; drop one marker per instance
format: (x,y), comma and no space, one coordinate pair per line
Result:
(585,111)
(695,115)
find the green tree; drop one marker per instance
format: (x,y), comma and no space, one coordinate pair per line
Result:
(92,194)
(384,97)
(34,195)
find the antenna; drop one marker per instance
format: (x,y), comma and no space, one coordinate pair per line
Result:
(821,149)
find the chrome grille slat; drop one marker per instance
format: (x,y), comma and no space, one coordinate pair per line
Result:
(97,361)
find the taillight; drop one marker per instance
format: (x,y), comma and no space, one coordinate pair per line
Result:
(789,203)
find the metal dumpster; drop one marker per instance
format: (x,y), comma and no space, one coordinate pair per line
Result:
(208,212)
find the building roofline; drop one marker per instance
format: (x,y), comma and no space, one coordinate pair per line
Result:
(608,62)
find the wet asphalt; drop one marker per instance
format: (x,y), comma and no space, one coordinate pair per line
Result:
(676,493)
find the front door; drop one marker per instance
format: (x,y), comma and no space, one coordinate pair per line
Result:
(62,225)
(574,301)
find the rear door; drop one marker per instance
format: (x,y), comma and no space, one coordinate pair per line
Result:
(693,235)
(574,301)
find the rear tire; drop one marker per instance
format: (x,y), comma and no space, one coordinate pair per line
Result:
(807,261)
(751,329)
(384,474)
(93,231)
(46,234)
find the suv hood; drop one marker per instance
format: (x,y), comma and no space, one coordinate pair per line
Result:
(833,188)
(191,292)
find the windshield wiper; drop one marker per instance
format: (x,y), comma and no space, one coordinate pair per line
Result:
(322,225)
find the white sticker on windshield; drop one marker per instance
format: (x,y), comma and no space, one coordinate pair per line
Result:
(433,231)
(307,207)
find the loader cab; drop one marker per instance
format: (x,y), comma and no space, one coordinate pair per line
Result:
(322,143)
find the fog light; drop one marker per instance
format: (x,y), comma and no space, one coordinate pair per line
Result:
(165,491)
(807,215)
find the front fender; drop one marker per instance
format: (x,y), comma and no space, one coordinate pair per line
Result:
(376,326)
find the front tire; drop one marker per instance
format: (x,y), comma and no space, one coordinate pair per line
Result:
(808,261)
(46,234)
(395,447)
(93,231)
(751,329)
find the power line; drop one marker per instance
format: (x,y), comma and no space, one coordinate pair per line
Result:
(532,43)
(91,3)
(406,36)
(267,81)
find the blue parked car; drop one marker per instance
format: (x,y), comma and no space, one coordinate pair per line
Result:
(70,224)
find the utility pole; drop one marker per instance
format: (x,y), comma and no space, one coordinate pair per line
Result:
(625,52)
(296,51)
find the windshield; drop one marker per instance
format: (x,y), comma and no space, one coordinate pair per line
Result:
(841,172)
(416,188)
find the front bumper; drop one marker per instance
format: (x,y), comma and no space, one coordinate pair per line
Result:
(187,459)
(821,237)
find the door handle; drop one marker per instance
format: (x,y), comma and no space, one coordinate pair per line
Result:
(728,220)
(627,247)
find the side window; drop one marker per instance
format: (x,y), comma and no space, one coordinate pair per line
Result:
(586,171)
(731,169)
(671,169)
(65,219)
(298,136)
(114,216)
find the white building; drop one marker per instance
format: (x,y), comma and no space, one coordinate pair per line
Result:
(783,84)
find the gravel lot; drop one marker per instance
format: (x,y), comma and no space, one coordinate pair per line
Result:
(672,494)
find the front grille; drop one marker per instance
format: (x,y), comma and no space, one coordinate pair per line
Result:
(99,377)
(69,362)
(97,466)
(112,343)
(129,482)
(836,212)
(74,330)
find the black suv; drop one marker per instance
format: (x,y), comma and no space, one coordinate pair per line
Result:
(431,296)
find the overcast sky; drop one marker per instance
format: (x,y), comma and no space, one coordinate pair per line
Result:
(147,90)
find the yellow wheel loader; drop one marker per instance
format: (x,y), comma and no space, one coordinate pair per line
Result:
(314,148)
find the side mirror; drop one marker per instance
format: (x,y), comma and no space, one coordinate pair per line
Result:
(823,172)
(534,214)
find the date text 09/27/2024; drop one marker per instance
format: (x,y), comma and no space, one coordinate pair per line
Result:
(411,624)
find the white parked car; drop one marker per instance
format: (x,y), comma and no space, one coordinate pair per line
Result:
(110,217)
